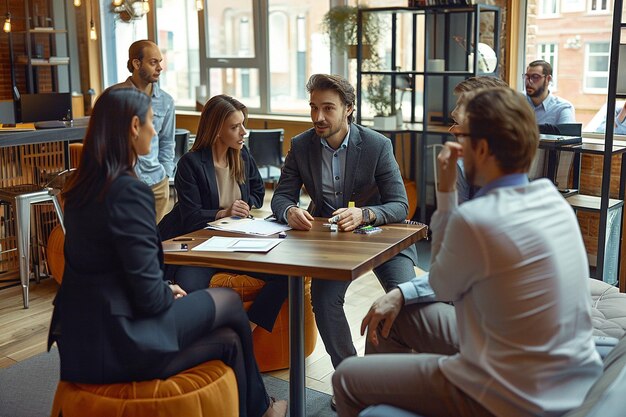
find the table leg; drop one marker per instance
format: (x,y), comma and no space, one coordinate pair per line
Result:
(297,395)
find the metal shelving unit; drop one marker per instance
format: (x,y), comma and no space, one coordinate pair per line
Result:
(48,33)
(449,33)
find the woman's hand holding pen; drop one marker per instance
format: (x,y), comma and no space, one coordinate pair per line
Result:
(239,208)
(348,218)
(299,219)
(178,292)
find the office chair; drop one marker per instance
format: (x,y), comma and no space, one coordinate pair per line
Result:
(266,147)
(181,146)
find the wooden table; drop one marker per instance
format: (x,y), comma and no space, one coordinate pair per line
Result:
(317,253)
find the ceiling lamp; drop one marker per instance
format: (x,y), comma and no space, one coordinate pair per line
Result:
(93,35)
(77,3)
(128,10)
(7,20)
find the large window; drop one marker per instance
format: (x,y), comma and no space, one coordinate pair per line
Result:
(264,51)
(177,36)
(121,26)
(596,67)
(576,42)
(548,52)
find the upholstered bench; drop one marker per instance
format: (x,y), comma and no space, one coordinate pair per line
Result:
(209,389)
(608,310)
(271,349)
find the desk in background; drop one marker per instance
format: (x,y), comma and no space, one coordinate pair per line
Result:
(317,253)
(28,157)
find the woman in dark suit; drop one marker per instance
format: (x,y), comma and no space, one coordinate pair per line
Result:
(218,178)
(115,318)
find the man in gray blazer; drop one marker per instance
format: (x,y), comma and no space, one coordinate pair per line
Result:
(340,163)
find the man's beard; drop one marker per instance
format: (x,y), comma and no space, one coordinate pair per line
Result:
(146,76)
(328,133)
(539,91)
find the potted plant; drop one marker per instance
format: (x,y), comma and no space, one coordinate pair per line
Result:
(340,24)
(379,96)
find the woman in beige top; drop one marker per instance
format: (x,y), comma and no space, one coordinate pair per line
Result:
(218,178)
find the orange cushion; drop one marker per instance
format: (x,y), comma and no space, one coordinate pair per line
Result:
(271,350)
(54,253)
(411,193)
(209,389)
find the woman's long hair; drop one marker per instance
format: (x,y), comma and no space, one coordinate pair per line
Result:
(107,148)
(214,114)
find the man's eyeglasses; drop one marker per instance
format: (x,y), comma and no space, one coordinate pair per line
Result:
(460,136)
(534,78)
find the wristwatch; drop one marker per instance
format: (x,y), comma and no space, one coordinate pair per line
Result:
(366,216)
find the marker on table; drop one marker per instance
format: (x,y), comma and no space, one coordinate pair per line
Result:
(335,218)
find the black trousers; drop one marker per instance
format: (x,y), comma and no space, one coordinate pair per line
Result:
(267,304)
(212,325)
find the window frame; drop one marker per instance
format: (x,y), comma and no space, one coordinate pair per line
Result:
(608,9)
(557,12)
(554,62)
(587,73)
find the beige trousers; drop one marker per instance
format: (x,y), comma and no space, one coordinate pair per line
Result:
(405,379)
(161,192)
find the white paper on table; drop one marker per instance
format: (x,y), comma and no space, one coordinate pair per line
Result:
(249,226)
(237,244)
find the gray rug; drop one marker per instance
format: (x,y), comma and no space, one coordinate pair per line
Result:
(27,389)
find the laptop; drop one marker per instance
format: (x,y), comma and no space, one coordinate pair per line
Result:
(559,140)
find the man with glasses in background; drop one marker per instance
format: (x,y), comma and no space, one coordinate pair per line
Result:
(155,168)
(549,109)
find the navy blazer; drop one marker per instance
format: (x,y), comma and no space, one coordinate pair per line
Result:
(372,177)
(112,315)
(198,197)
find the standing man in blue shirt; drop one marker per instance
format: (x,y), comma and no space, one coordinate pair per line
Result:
(549,109)
(155,168)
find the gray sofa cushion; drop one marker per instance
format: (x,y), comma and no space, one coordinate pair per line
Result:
(607,396)
(608,311)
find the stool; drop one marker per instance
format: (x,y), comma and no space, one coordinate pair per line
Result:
(21,197)
(76,151)
(209,389)
(271,350)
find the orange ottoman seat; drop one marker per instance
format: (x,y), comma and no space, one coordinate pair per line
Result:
(209,389)
(271,350)
(54,253)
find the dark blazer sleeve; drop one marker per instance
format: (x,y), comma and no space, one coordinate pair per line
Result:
(198,200)
(287,192)
(130,204)
(255,183)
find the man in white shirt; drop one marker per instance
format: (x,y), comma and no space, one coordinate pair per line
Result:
(518,340)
